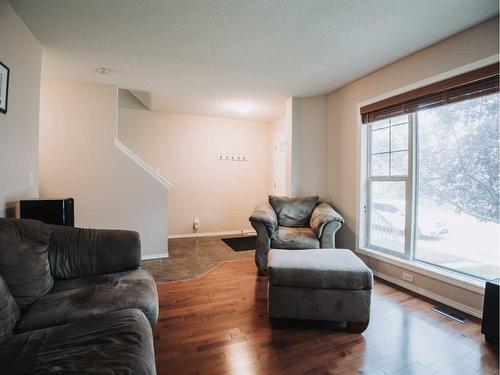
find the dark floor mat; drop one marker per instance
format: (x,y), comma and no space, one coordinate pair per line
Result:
(241,243)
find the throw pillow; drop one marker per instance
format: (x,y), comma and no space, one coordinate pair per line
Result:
(293,212)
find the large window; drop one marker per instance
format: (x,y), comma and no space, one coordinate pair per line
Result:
(432,184)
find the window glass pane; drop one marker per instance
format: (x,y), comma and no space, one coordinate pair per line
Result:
(379,124)
(457,224)
(399,137)
(399,163)
(389,147)
(387,215)
(380,165)
(403,119)
(380,140)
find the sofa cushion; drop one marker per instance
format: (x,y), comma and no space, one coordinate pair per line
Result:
(115,343)
(293,212)
(295,238)
(24,260)
(74,300)
(81,252)
(9,312)
(322,269)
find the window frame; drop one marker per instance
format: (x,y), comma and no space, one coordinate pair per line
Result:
(411,209)
(450,277)
(409,192)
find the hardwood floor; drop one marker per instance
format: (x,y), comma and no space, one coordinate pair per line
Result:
(218,324)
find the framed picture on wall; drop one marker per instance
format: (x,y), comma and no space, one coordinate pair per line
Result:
(4,87)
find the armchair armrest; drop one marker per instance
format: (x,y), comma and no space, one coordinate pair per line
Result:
(79,252)
(264,213)
(322,215)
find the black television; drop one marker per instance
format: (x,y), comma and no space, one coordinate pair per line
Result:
(50,211)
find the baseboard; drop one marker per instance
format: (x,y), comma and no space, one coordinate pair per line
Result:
(212,234)
(154,256)
(436,297)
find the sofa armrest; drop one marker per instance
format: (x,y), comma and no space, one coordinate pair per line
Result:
(322,215)
(264,213)
(79,252)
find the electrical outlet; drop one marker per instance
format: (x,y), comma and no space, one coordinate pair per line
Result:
(408,277)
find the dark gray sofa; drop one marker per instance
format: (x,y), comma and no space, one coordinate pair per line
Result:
(74,300)
(293,224)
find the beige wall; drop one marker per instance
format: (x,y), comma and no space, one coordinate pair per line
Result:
(21,52)
(293,136)
(312,130)
(306,127)
(78,159)
(279,127)
(467,47)
(221,194)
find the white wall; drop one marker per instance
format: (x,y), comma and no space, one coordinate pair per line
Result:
(467,47)
(21,52)
(221,194)
(78,159)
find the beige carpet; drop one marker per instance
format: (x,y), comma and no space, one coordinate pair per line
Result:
(192,257)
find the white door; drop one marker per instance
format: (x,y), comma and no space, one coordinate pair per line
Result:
(279,164)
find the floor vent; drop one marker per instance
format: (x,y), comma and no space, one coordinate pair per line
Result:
(450,314)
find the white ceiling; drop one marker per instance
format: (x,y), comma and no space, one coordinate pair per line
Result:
(200,57)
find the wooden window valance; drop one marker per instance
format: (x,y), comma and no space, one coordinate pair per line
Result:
(472,84)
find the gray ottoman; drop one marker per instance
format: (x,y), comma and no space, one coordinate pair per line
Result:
(319,284)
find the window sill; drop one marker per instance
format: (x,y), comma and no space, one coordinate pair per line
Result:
(453,278)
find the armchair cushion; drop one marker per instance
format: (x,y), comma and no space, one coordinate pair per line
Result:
(79,252)
(24,259)
(295,238)
(266,215)
(293,212)
(322,215)
(9,312)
